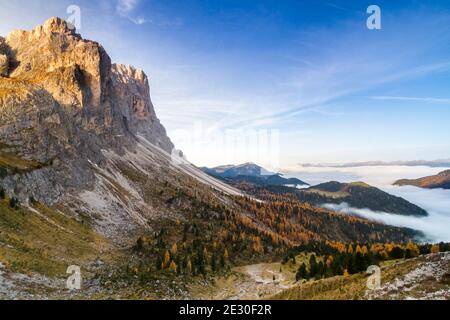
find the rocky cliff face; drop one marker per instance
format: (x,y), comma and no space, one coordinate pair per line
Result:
(132,96)
(61,104)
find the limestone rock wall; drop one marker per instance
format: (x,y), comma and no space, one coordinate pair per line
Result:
(61,103)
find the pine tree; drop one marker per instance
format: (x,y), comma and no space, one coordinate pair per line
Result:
(159,263)
(179,264)
(14,203)
(184,263)
(328,272)
(302,273)
(312,266)
(213,262)
(396,253)
(359,263)
(139,245)
(2,193)
(320,270)
(200,261)
(337,266)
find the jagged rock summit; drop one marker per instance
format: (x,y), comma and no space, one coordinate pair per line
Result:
(61,103)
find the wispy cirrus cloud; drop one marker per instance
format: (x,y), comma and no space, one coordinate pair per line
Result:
(126,6)
(331,83)
(415,99)
(125,9)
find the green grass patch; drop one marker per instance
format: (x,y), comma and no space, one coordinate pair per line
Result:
(16,164)
(44,241)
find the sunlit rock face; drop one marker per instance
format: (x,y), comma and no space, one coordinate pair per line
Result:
(132,95)
(61,103)
(75,71)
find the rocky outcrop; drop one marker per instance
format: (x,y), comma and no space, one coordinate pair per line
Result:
(75,71)
(4,58)
(61,104)
(4,65)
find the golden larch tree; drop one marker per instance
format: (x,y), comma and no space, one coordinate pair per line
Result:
(173,266)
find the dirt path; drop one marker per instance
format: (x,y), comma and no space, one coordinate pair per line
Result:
(251,282)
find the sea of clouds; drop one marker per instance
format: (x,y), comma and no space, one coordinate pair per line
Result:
(435,227)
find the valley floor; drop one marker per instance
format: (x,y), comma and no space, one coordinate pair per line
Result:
(252,282)
(426,277)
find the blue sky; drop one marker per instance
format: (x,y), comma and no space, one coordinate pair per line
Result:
(310,70)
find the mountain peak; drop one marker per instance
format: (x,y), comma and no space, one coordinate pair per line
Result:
(57,25)
(127,72)
(244,169)
(247,164)
(63,101)
(54,25)
(444,173)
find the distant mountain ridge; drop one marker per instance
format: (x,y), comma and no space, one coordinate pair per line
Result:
(245,169)
(360,195)
(413,163)
(253,174)
(248,178)
(440,180)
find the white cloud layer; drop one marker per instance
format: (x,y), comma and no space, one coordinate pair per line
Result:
(436,202)
(435,227)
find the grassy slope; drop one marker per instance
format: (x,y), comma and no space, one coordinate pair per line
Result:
(45,241)
(344,287)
